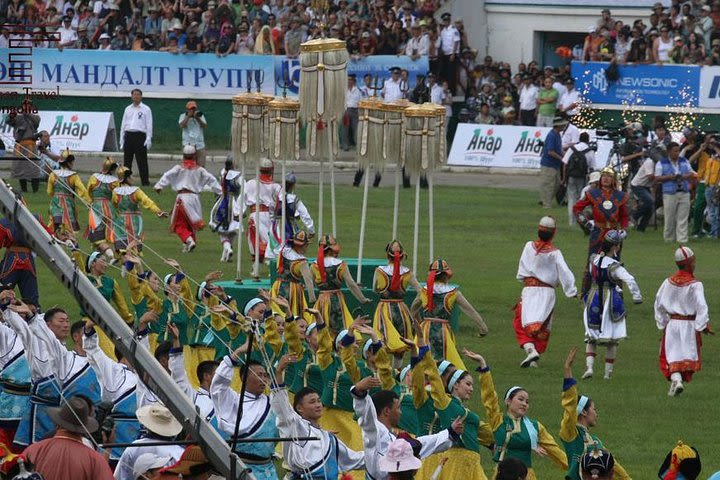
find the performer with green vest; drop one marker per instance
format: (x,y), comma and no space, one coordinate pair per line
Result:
(579,415)
(516,434)
(329,274)
(463,459)
(436,303)
(144,286)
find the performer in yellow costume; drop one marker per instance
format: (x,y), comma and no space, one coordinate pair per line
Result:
(392,315)
(101,216)
(292,270)
(63,184)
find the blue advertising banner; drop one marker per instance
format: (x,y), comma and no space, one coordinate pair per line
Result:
(649,85)
(288,70)
(157,74)
(162,74)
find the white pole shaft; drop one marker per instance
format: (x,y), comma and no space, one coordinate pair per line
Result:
(256,268)
(363,216)
(331,131)
(417,225)
(241,198)
(321,180)
(431,216)
(396,205)
(283,205)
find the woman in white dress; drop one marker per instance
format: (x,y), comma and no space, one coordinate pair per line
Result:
(604,314)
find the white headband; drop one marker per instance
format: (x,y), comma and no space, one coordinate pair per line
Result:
(310,328)
(251,304)
(455,377)
(512,390)
(366,347)
(404,372)
(582,403)
(443,366)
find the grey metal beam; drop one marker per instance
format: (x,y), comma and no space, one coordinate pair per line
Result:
(104,315)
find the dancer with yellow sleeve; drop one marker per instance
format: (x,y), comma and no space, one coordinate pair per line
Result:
(144,286)
(579,415)
(516,434)
(462,460)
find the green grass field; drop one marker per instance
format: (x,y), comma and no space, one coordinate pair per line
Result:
(481,232)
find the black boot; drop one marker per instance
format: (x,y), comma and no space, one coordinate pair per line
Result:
(406,179)
(423,182)
(376,181)
(358,177)
(35,182)
(23,185)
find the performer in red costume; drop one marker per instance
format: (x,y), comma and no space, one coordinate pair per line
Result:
(609,212)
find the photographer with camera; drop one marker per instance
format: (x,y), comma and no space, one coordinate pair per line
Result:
(577,161)
(49,155)
(641,187)
(697,149)
(193,122)
(25,125)
(675,174)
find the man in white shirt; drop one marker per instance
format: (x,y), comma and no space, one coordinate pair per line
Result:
(192,123)
(418,45)
(379,417)
(348,130)
(437,96)
(450,48)
(4,36)
(570,101)
(136,132)
(68,35)
(391,91)
(528,101)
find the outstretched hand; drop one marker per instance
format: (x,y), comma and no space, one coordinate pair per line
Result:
(475,356)
(173,263)
(458,425)
(569,362)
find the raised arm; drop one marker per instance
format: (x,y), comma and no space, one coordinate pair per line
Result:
(225,399)
(305,217)
(77,184)
(470,311)
(569,400)
(288,420)
(109,373)
(146,202)
(177,364)
(490,401)
(325,343)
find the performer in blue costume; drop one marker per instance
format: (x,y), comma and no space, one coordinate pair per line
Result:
(45,389)
(294,209)
(221,215)
(119,383)
(14,379)
(257,421)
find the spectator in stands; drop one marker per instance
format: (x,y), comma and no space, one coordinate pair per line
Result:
(193,43)
(104,42)
(484,116)
(120,41)
(622,45)
(263,43)
(591,45)
(152,22)
(695,49)
(226,43)
(570,101)
(638,52)
(528,101)
(546,101)
(679,52)
(244,43)
(450,47)
(662,46)
(68,35)
(418,45)
(293,38)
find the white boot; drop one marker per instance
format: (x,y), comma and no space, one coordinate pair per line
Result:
(608,370)
(189,245)
(227,252)
(532,355)
(676,385)
(589,362)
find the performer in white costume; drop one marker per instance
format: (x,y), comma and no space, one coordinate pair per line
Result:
(222,220)
(188,180)
(681,312)
(268,197)
(541,269)
(604,314)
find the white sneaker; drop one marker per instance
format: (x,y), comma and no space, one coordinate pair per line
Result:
(607,376)
(190,244)
(227,252)
(533,356)
(588,373)
(533,364)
